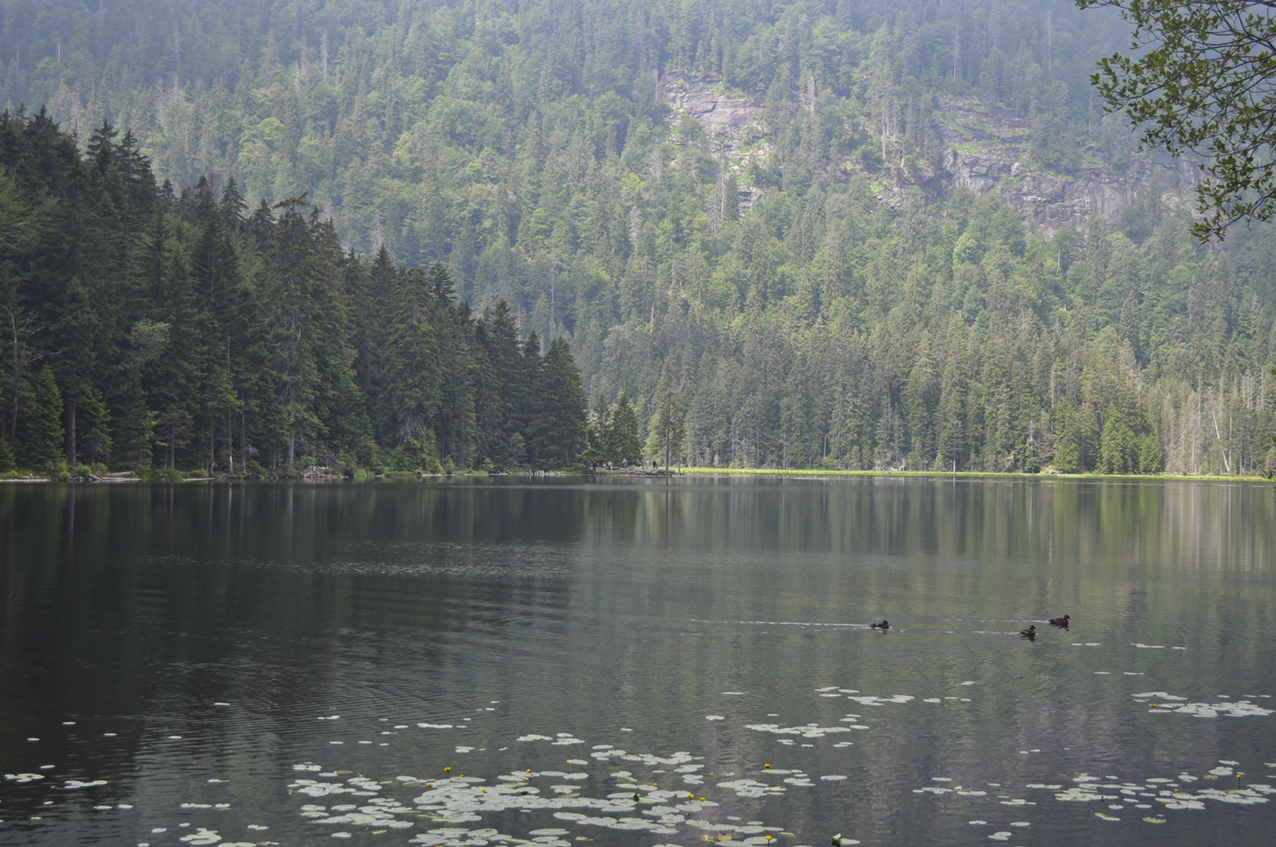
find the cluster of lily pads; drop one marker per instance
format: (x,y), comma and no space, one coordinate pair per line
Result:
(207,837)
(811,730)
(69,785)
(874,700)
(1164,792)
(1163,703)
(451,802)
(1140,798)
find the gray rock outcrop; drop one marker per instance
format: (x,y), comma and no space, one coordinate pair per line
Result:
(985,149)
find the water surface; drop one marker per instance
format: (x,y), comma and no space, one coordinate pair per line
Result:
(473,663)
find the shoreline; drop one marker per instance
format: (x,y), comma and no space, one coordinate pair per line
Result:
(1009,475)
(649,473)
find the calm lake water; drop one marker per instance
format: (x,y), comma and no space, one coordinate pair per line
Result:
(470,663)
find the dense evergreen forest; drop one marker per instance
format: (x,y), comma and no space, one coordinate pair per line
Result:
(147,330)
(350,175)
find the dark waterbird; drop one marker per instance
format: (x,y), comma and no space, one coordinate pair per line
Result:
(882,625)
(1063,621)
(1030,633)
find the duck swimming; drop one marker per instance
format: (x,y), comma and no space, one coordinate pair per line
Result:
(1063,621)
(1029,633)
(882,625)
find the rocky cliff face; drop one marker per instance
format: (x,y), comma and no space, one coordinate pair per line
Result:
(984,149)
(723,117)
(734,126)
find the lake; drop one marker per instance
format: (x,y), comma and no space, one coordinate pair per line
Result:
(638,662)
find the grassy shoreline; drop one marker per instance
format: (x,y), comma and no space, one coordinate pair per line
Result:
(973,475)
(198,476)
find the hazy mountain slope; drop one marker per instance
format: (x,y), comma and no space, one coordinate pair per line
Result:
(356,102)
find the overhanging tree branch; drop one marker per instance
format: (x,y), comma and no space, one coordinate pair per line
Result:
(1200,77)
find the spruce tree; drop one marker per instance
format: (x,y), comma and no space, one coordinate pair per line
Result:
(500,392)
(440,283)
(411,372)
(292,281)
(454,416)
(232,206)
(43,435)
(623,444)
(668,421)
(558,423)
(596,432)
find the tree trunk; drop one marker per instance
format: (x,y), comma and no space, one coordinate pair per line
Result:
(70,432)
(17,380)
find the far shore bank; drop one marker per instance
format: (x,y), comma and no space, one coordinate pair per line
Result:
(970,475)
(650,473)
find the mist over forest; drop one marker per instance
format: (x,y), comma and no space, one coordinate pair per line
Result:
(256,236)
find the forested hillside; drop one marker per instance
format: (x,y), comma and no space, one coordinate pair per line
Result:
(815,295)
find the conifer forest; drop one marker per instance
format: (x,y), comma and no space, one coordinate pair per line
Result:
(263,236)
